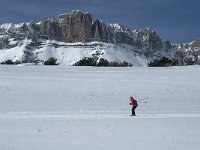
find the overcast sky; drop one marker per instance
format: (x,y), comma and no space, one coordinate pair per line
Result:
(174,20)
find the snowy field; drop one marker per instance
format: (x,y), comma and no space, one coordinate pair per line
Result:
(87,108)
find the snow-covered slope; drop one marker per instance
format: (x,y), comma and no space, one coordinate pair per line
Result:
(70,53)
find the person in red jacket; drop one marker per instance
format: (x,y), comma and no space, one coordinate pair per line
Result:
(134,105)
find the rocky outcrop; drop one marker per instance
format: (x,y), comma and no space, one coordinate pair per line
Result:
(50,29)
(188,53)
(146,39)
(33,31)
(101,31)
(196,44)
(76,27)
(122,35)
(3,42)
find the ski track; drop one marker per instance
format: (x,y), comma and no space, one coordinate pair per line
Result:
(78,108)
(91,115)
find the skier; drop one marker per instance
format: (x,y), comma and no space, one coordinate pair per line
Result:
(134,105)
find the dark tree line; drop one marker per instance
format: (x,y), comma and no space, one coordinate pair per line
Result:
(166,62)
(101,63)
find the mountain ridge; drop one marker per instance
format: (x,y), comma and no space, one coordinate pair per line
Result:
(113,42)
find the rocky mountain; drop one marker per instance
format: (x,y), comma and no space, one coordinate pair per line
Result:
(72,36)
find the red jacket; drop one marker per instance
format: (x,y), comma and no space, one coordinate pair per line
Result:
(134,103)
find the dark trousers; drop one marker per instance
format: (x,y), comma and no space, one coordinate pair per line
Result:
(133,110)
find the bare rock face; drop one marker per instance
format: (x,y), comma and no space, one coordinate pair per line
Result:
(3,42)
(196,44)
(101,31)
(76,27)
(50,29)
(21,32)
(33,31)
(122,37)
(147,38)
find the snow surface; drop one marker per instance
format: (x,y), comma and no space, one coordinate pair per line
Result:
(78,108)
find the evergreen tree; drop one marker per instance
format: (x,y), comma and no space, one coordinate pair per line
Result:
(51,61)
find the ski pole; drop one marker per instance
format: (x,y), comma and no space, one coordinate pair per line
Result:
(142,102)
(143,99)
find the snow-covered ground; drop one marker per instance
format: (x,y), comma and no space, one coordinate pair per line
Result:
(79,108)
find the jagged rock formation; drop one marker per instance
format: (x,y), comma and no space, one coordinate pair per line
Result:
(77,26)
(50,30)
(101,31)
